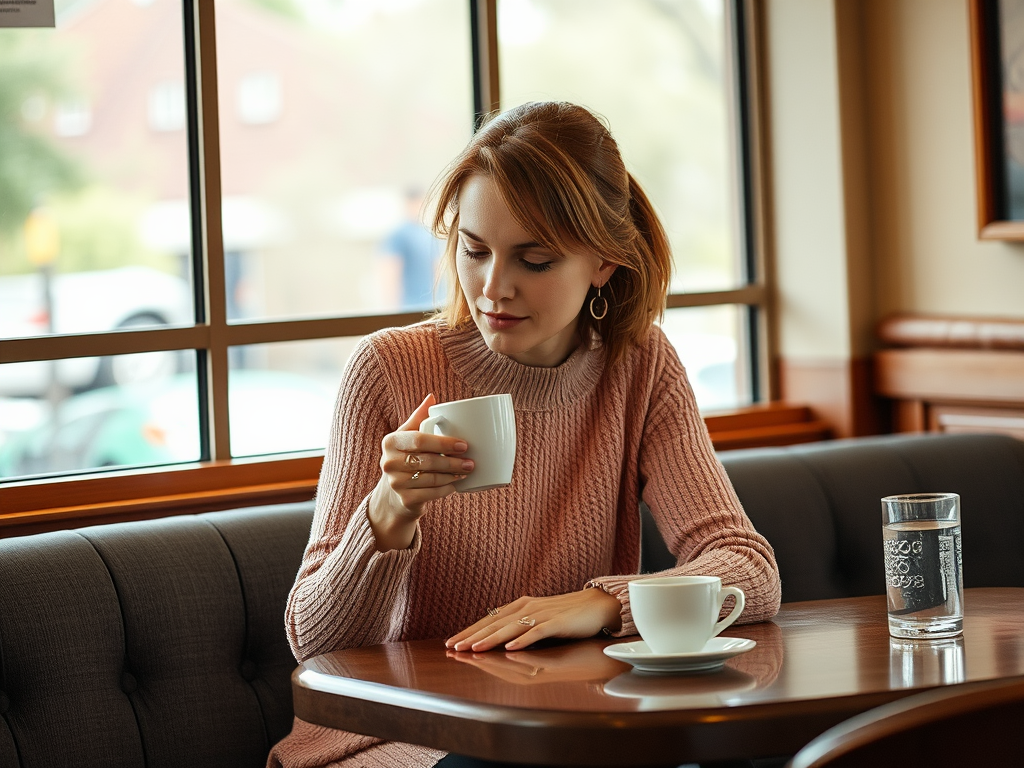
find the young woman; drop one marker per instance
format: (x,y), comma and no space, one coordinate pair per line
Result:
(559,268)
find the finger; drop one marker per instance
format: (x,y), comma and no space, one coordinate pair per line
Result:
(515,634)
(420,479)
(510,624)
(463,641)
(417,416)
(503,612)
(459,642)
(414,441)
(425,462)
(530,637)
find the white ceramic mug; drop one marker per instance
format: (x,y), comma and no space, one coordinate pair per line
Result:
(488,424)
(679,614)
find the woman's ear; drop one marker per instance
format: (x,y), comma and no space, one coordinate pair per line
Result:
(604,273)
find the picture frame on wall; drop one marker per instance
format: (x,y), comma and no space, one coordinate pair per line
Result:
(997,52)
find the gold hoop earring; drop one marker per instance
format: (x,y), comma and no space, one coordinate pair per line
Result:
(603,305)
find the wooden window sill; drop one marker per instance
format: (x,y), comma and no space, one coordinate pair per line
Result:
(768,424)
(34,506)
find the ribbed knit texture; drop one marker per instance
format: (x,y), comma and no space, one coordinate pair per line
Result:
(591,443)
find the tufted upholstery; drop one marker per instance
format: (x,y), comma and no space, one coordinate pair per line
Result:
(819,506)
(156,643)
(161,643)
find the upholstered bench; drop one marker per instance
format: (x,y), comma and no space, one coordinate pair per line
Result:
(157,643)
(819,506)
(161,643)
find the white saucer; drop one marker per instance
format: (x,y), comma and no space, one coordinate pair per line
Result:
(710,658)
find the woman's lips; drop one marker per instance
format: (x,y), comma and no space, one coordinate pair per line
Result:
(499,321)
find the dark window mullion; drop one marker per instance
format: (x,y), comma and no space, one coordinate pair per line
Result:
(195,201)
(483,30)
(754,315)
(741,94)
(207,234)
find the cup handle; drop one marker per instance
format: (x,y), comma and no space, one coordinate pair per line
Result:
(737,609)
(430,425)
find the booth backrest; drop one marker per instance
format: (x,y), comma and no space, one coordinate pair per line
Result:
(157,643)
(161,643)
(819,506)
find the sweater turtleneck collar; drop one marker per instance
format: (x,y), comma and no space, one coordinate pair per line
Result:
(532,389)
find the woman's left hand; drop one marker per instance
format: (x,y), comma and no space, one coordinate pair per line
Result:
(529,619)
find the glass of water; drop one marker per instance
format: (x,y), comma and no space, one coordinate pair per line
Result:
(923,565)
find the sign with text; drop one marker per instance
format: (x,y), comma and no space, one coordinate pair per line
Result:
(27,13)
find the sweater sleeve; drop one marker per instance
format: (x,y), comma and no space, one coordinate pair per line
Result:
(347,593)
(694,504)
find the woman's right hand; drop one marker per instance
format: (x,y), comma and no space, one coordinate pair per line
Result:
(416,468)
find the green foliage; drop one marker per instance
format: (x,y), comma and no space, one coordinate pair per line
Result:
(98,228)
(285,8)
(32,166)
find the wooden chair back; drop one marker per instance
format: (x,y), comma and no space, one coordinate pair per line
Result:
(965,725)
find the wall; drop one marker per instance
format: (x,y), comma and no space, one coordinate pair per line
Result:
(873,192)
(820,194)
(927,255)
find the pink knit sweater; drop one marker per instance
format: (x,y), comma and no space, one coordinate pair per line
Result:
(591,444)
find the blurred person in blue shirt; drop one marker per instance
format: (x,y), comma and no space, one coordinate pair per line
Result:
(415,252)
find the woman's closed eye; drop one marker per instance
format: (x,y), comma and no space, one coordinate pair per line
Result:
(473,254)
(532,266)
(537,266)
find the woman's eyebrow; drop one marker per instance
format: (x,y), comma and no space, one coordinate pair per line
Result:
(519,247)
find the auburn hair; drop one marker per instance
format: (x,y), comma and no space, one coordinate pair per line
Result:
(560,173)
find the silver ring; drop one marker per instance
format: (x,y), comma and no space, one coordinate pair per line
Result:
(415,475)
(526,621)
(493,611)
(412,459)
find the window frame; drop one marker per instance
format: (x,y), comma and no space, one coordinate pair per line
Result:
(219,481)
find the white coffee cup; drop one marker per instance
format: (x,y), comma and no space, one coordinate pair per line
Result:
(679,614)
(488,424)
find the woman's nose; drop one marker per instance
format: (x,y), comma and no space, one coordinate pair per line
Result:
(498,282)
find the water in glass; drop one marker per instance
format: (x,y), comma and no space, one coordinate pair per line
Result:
(923,573)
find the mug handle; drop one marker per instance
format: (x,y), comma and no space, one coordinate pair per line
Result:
(430,425)
(736,609)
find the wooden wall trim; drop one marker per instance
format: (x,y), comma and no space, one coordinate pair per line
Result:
(953,374)
(959,418)
(839,392)
(952,332)
(964,375)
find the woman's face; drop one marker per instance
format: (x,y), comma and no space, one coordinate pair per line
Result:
(524,298)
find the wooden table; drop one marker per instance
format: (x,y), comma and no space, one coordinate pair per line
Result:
(816,664)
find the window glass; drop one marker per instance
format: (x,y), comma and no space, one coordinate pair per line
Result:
(127,425)
(335,118)
(712,343)
(660,73)
(281,396)
(94,148)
